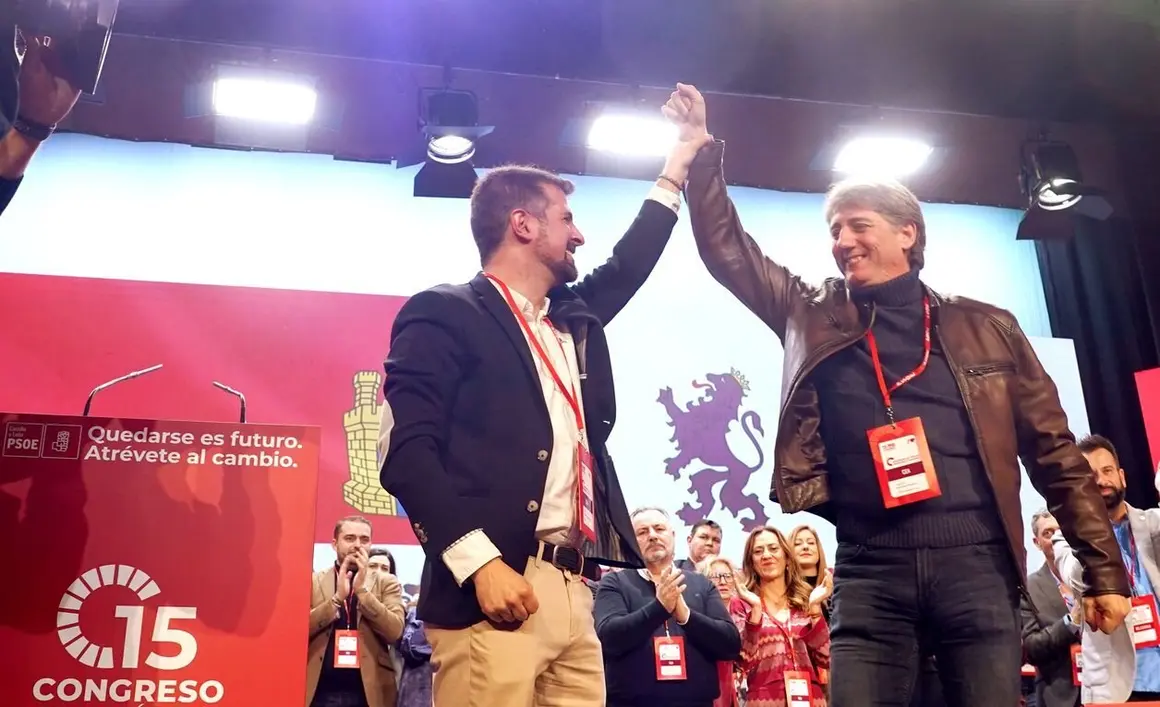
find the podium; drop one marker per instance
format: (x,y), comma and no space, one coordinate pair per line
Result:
(154,561)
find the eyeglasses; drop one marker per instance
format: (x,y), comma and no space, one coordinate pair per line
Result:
(721,577)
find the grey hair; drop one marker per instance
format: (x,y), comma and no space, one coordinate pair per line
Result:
(1038,516)
(646,509)
(887,197)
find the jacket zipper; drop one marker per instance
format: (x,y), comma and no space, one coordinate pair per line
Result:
(978,371)
(989,368)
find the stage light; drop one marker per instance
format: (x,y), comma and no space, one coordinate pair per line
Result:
(449,120)
(882,156)
(264,100)
(628,133)
(450,149)
(1050,178)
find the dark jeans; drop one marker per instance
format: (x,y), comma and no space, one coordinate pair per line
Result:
(892,607)
(338,699)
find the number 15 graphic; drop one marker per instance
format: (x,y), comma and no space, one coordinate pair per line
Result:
(162,633)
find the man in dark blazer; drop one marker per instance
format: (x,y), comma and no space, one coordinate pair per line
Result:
(499,402)
(1048,629)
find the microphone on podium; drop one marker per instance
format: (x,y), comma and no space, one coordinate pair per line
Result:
(236,393)
(115,381)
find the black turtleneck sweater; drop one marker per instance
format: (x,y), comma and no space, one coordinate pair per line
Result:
(851,403)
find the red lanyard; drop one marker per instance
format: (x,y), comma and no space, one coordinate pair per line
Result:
(348,603)
(783,631)
(873,344)
(569,394)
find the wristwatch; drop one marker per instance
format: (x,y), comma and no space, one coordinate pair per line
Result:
(1075,628)
(32,129)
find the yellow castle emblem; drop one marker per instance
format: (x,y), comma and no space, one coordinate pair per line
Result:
(362,491)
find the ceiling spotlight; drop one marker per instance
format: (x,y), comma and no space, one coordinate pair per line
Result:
(449,120)
(265,100)
(632,134)
(450,149)
(882,156)
(1050,178)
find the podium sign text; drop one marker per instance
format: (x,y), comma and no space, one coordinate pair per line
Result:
(154,561)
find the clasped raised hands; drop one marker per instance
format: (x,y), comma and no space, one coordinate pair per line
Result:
(686,109)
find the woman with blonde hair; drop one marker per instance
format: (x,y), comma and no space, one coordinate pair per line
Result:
(723,574)
(785,642)
(811,558)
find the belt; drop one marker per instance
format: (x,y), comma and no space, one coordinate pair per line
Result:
(567,558)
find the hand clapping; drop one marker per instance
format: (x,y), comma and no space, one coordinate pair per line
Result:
(670,587)
(750,598)
(822,592)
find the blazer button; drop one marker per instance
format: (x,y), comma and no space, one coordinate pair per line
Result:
(533,506)
(542,455)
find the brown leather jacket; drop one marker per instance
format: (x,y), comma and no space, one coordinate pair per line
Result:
(1012,403)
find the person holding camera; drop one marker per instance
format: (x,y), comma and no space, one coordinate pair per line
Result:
(45,99)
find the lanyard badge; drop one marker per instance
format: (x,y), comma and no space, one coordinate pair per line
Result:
(669,652)
(902,458)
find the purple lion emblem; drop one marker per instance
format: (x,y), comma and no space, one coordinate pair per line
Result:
(700,431)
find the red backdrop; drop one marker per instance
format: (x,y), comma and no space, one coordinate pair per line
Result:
(162,520)
(1148,383)
(294,354)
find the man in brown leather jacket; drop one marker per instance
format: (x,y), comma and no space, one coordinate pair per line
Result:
(904,414)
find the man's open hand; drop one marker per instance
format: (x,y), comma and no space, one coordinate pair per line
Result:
(503,594)
(1105,612)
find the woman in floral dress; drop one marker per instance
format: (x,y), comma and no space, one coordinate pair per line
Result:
(783,633)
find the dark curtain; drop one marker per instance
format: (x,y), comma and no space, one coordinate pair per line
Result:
(9,70)
(1103,293)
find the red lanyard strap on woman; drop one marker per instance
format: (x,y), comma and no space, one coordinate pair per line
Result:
(569,393)
(873,345)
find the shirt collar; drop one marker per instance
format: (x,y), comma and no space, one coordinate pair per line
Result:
(645,573)
(527,309)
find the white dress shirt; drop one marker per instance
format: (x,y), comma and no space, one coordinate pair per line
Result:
(558,508)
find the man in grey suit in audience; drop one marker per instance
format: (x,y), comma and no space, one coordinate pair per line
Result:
(1050,631)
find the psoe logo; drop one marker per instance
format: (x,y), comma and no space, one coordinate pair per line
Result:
(178,646)
(701,431)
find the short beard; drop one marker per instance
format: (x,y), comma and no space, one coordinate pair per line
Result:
(565,272)
(1114,499)
(657,555)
